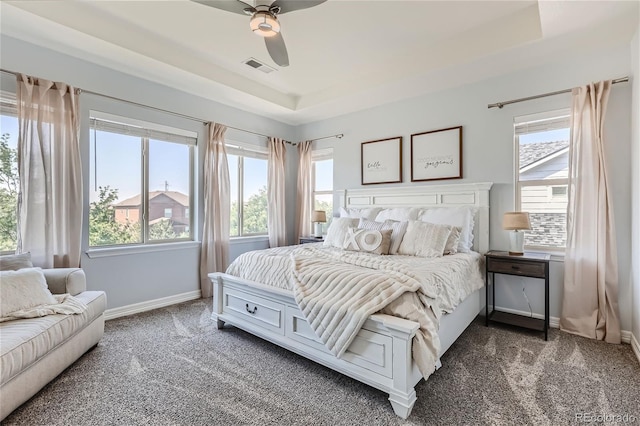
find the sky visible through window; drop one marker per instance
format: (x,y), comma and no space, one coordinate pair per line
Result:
(9,124)
(549,136)
(119,166)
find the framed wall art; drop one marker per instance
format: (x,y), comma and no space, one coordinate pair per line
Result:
(436,155)
(381,161)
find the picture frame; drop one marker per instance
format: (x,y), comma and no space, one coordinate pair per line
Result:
(381,161)
(436,154)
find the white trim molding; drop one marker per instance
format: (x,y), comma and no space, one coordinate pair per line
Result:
(149,305)
(554,322)
(635,345)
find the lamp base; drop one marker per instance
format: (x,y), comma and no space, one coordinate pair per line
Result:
(516,243)
(317,229)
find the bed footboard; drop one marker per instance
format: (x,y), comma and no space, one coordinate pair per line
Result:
(379,356)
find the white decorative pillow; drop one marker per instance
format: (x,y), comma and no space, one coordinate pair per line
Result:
(23,289)
(400,214)
(337,230)
(397,231)
(368,240)
(424,239)
(369,213)
(454,239)
(454,216)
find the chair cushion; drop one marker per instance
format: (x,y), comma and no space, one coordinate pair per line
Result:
(24,341)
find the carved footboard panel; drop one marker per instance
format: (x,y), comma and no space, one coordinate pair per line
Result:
(380,355)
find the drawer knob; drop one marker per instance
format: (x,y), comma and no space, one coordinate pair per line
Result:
(255,308)
(514,267)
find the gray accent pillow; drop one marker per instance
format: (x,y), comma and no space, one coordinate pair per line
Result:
(13,262)
(367,240)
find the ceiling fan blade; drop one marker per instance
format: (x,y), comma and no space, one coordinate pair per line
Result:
(235,6)
(277,49)
(285,6)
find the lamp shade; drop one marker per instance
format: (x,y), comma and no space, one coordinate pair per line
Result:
(318,216)
(516,220)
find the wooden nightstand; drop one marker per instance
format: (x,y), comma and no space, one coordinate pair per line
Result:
(305,240)
(534,265)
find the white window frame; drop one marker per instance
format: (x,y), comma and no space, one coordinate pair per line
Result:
(8,107)
(241,151)
(532,123)
(316,156)
(147,131)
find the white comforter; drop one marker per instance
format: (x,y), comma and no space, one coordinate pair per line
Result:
(424,289)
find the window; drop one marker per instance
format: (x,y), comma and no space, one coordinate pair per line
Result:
(542,159)
(322,183)
(141,182)
(8,173)
(248,178)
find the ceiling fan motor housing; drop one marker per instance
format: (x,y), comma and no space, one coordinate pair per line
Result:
(264,23)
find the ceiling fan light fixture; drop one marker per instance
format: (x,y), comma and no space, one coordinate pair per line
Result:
(264,24)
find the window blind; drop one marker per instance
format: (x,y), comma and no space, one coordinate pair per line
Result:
(138,131)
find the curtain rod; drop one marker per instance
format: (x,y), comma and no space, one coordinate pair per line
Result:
(544,95)
(177,114)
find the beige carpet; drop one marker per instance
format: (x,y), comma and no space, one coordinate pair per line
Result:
(173,367)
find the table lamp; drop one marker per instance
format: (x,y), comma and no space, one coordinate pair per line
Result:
(516,222)
(318,217)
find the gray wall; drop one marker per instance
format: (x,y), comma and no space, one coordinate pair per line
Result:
(134,275)
(488,149)
(635,185)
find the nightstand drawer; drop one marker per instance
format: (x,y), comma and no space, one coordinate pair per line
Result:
(511,267)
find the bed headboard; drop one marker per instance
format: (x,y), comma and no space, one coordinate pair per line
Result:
(428,196)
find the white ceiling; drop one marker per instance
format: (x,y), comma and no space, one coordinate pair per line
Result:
(344,55)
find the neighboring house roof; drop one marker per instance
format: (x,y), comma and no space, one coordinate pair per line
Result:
(533,152)
(136,201)
(163,219)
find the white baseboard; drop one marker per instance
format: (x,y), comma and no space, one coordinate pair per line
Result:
(554,322)
(635,346)
(149,305)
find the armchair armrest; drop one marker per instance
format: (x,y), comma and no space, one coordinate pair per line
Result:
(65,280)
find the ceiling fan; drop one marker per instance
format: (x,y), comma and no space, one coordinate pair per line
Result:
(264,21)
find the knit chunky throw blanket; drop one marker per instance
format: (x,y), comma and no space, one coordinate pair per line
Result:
(337,298)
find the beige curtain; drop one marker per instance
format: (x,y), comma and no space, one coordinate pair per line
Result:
(50,200)
(590,303)
(214,254)
(275,193)
(305,192)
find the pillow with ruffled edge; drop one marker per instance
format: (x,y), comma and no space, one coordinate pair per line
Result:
(454,216)
(400,214)
(366,213)
(424,239)
(397,231)
(23,289)
(337,230)
(367,240)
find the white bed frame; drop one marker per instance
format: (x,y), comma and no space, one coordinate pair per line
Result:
(380,355)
